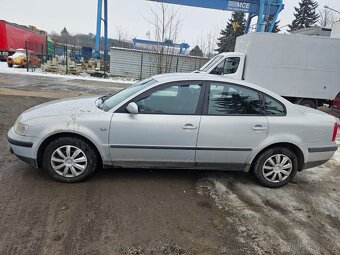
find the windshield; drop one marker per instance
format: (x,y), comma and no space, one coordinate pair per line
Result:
(211,63)
(120,96)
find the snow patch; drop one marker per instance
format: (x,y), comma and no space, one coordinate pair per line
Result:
(38,72)
(292,214)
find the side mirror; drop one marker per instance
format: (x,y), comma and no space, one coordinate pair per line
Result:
(218,71)
(132,108)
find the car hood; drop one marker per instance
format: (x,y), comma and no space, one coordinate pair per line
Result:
(79,105)
(198,71)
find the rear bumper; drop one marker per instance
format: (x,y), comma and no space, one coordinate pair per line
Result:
(319,155)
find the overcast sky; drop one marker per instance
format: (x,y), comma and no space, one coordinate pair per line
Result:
(79,16)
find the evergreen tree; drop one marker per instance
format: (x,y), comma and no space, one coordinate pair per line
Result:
(235,27)
(64,32)
(196,52)
(276,28)
(305,15)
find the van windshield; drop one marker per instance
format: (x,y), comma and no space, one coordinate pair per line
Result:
(211,63)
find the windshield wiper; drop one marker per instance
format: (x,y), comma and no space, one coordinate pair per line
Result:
(102,99)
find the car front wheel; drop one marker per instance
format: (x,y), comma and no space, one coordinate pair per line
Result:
(69,159)
(276,167)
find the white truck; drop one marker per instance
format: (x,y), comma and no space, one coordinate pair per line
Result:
(303,69)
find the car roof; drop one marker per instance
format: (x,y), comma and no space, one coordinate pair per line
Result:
(173,77)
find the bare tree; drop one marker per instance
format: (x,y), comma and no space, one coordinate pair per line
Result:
(207,43)
(327,18)
(121,36)
(165,21)
(211,44)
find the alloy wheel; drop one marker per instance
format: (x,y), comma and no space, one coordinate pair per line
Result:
(277,168)
(69,161)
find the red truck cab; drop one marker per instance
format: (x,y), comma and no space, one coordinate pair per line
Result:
(335,109)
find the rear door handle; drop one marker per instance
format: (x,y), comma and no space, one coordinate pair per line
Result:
(259,128)
(189,126)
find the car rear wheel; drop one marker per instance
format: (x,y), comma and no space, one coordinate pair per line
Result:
(276,167)
(69,159)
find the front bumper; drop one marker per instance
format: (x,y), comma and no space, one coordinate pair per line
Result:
(24,147)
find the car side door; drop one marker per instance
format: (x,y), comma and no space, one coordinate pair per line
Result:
(232,125)
(164,132)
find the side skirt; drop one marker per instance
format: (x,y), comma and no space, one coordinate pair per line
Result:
(177,165)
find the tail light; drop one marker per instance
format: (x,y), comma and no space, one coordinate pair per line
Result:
(335,131)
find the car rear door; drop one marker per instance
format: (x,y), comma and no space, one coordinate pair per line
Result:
(164,132)
(232,125)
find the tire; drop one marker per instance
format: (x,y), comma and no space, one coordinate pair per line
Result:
(76,155)
(308,103)
(264,169)
(10,65)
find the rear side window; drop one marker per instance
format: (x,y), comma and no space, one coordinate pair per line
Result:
(230,99)
(273,107)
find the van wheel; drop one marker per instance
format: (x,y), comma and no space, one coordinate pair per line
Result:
(275,167)
(69,159)
(308,103)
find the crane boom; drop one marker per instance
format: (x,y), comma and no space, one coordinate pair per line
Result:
(260,8)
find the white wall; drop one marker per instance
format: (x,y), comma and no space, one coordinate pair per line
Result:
(336,30)
(127,63)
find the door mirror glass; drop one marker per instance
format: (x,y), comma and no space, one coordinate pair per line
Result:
(132,108)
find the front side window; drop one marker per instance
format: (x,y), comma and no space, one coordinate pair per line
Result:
(274,107)
(230,99)
(228,66)
(231,65)
(175,99)
(211,63)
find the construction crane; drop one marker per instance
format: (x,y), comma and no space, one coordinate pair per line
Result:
(183,47)
(100,18)
(255,8)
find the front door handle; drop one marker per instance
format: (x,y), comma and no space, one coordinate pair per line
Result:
(189,126)
(259,128)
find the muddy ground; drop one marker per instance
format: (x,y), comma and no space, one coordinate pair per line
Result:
(135,211)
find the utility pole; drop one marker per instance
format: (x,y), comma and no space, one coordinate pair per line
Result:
(27,54)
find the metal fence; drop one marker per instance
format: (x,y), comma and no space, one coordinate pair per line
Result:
(141,64)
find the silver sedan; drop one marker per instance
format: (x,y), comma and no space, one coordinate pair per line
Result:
(187,121)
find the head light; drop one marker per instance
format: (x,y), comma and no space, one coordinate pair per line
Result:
(20,128)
